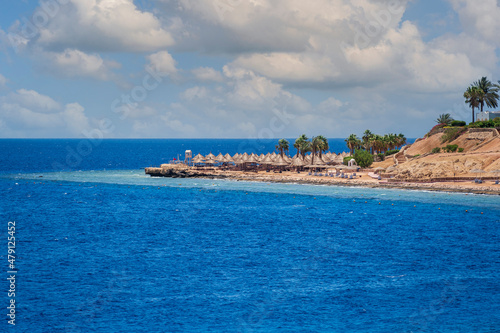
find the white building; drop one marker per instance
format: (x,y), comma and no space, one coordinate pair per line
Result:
(487,115)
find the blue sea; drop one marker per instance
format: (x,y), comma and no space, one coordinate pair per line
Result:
(102,247)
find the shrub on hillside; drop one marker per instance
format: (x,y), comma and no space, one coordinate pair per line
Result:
(381,156)
(460,150)
(451,134)
(363,158)
(436,150)
(486,124)
(456,123)
(450,148)
(435,129)
(391,152)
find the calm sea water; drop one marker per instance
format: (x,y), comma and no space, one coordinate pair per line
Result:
(101,247)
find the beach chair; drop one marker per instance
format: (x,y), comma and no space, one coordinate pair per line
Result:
(497,182)
(309,173)
(350,177)
(354,174)
(379,178)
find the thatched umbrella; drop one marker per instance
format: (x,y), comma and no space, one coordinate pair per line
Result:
(228,158)
(497,172)
(219,158)
(378,169)
(298,162)
(478,171)
(244,156)
(210,156)
(252,159)
(338,159)
(198,159)
(267,160)
(280,161)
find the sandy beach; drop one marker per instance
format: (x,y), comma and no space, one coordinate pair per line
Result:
(362,179)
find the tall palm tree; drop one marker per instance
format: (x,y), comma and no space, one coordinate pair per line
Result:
(323,147)
(444,118)
(299,143)
(401,140)
(305,147)
(316,145)
(490,96)
(283,146)
(367,139)
(472,96)
(352,142)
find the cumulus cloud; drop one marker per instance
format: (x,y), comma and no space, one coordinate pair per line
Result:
(33,100)
(207,74)
(75,63)
(27,113)
(480,18)
(98,25)
(162,62)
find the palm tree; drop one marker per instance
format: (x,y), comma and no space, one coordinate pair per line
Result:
(444,118)
(316,145)
(299,143)
(305,147)
(367,140)
(401,140)
(472,96)
(490,96)
(283,145)
(352,142)
(323,147)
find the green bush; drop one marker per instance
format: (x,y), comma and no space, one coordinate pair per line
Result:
(436,150)
(451,134)
(485,124)
(363,158)
(456,123)
(460,150)
(451,148)
(381,156)
(347,159)
(416,155)
(391,152)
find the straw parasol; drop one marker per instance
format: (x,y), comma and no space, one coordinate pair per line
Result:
(228,158)
(219,158)
(495,171)
(298,162)
(198,159)
(378,169)
(280,161)
(210,156)
(252,159)
(267,160)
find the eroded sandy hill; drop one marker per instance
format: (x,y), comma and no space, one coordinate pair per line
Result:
(481,151)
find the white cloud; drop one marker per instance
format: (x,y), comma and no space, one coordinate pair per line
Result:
(480,18)
(207,74)
(103,25)
(28,113)
(162,62)
(33,100)
(75,63)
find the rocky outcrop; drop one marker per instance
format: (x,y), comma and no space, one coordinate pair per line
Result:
(173,172)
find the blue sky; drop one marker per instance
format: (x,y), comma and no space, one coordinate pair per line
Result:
(239,68)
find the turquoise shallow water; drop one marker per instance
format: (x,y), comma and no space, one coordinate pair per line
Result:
(117,251)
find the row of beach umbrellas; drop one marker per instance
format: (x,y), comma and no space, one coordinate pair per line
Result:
(272,159)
